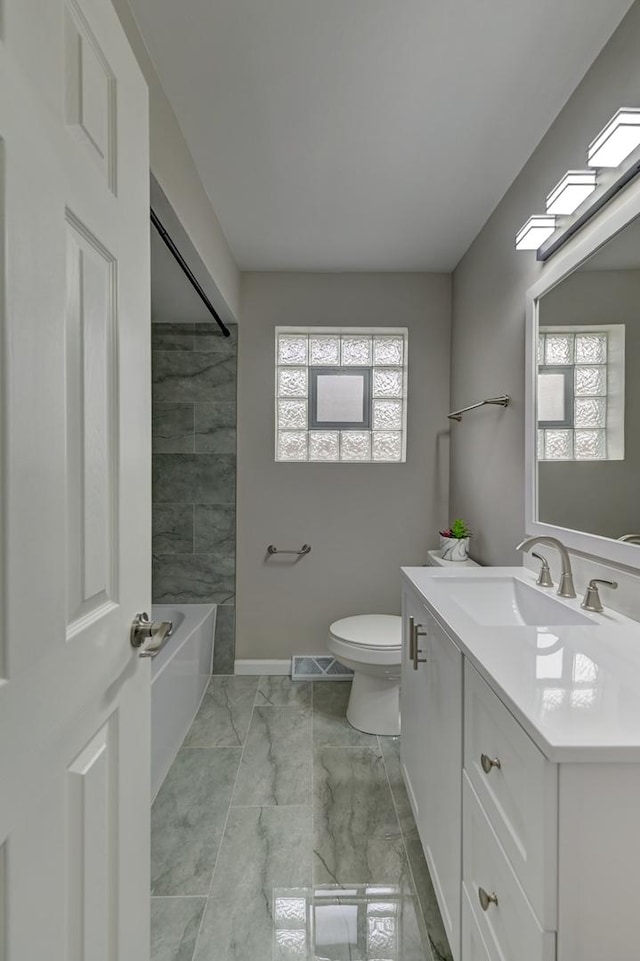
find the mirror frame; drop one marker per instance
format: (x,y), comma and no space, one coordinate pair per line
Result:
(606,224)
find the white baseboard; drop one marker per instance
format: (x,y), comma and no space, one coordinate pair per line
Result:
(266,666)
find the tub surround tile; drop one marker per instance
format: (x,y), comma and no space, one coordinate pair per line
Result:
(192,579)
(263,849)
(391,754)
(283,692)
(188,818)
(172,526)
(215,529)
(193,377)
(330,725)
(194,478)
(427,897)
(173,429)
(225,713)
(356,832)
(208,338)
(172,336)
(175,923)
(276,764)
(215,427)
(224,643)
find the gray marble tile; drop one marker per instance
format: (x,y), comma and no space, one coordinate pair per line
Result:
(263,849)
(215,528)
(194,478)
(188,818)
(172,526)
(276,764)
(175,923)
(330,725)
(391,754)
(427,899)
(173,427)
(193,578)
(215,427)
(356,832)
(224,647)
(283,692)
(193,377)
(210,339)
(172,337)
(225,712)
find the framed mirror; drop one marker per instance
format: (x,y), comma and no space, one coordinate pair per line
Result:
(583,390)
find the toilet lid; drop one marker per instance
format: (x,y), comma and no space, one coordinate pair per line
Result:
(370,630)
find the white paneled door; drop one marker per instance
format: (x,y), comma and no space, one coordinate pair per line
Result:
(75,498)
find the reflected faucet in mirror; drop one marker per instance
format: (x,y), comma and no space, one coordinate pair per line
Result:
(565,587)
(630,538)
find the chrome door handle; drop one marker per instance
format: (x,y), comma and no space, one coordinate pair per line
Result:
(490,762)
(486,899)
(416,652)
(149,637)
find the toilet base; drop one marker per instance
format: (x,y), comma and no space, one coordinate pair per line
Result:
(374,704)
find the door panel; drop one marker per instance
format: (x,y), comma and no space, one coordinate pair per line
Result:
(75,455)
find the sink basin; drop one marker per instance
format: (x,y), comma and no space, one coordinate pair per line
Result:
(508,602)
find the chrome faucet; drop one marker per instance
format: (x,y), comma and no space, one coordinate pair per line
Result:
(591,600)
(565,587)
(544,577)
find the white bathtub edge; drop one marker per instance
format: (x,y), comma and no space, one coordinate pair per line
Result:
(267,666)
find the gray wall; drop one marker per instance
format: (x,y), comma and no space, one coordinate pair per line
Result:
(489,285)
(363,521)
(600,497)
(194,473)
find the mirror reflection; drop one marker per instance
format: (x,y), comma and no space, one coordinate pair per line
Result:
(588,394)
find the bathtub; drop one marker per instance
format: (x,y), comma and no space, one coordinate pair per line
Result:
(179,677)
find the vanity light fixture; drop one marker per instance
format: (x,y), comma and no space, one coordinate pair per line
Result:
(617,140)
(571,191)
(536,230)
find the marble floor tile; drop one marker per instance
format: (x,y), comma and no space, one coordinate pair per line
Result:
(357,837)
(188,818)
(330,725)
(175,923)
(283,692)
(263,849)
(225,713)
(391,754)
(427,897)
(276,763)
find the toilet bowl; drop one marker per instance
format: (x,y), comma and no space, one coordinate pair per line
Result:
(371,645)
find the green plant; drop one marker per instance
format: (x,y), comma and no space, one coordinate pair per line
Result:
(458,530)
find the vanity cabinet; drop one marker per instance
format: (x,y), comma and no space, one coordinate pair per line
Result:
(532,859)
(431,749)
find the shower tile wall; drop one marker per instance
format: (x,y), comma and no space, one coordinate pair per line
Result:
(194,473)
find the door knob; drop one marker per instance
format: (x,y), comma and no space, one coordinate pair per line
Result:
(149,637)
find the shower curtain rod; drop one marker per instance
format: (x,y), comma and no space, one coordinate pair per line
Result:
(191,277)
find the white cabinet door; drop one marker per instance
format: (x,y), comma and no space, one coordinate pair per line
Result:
(413,706)
(75,498)
(442,750)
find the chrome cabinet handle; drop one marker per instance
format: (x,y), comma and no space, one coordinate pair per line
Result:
(486,899)
(489,762)
(416,652)
(412,636)
(149,637)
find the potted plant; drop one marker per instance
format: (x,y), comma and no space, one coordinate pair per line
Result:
(454,542)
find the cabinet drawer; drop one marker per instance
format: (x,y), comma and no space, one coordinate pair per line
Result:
(473,946)
(519,795)
(509,929)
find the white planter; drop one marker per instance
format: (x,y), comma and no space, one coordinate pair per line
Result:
(454,548)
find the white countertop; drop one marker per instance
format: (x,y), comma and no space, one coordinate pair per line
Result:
(574,689)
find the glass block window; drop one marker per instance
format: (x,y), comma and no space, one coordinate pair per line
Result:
(575,410)
(341,394)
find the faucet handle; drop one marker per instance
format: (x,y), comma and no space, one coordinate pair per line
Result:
(544,577)
(591,600)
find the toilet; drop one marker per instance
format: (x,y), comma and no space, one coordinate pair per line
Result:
(371,645)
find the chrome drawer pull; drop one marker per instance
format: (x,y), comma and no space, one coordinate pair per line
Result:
(489,762)
(416,652)
(486,899)
(412,637)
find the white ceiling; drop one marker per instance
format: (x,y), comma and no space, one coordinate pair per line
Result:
(366,134)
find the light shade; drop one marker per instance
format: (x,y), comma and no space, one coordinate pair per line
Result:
(571,191)
(536,230)
(617,140)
